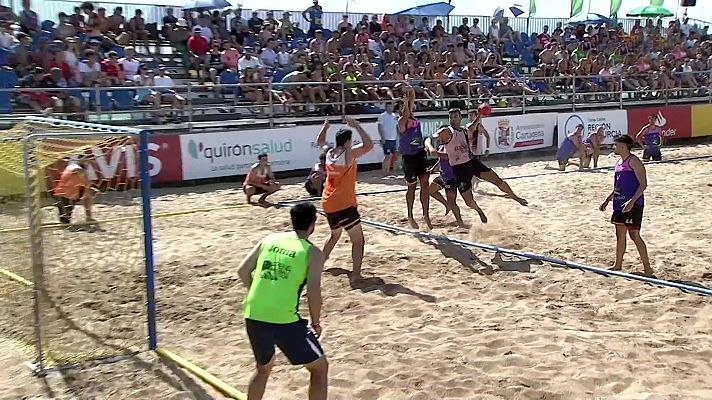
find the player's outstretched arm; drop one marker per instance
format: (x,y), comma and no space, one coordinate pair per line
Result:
(366,144)
(321,137)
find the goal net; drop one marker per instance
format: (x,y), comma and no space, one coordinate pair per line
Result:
(72,250)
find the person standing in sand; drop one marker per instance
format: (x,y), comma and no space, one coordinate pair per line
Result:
(74,187)
(650,138)
(339,196)
(628,202)
(466,165)
(474,130)
(275,272)
(414,159)
(260,180)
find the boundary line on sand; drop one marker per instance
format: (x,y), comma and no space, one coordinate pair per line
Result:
(510,178)
(202,374)
(697,288)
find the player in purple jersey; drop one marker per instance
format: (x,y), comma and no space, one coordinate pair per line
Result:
(628,202)
(414,159)
(445,180)
(651,138)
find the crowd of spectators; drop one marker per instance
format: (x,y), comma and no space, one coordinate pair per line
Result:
(370,61)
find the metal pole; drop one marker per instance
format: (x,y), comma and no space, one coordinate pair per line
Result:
(148,239)
(271,104)
(343,101)
(573,93)
(620,88)
(190,108)
(32,189)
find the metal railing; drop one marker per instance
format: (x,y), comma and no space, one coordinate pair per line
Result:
(272,102)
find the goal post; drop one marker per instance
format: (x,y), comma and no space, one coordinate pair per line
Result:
(77,270)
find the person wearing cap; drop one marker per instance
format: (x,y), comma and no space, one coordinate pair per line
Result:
(73,187)
(90,70)
(199,46)
(178,37)
(112,69)
(248,60)
(339,196)
(168,94)
(314,15)
(630,182)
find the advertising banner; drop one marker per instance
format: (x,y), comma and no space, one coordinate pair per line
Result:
(702,120)
(117,165)
(675,121)
(615,123)
(513,133)
(212,155)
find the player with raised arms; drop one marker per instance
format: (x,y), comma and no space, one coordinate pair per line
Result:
(651,139)
(339,196)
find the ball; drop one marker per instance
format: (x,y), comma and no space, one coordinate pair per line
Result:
(485,109)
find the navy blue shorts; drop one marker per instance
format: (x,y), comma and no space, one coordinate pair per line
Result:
(652,152)
(390,147)
(296,340)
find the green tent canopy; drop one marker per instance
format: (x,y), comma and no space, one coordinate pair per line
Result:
(650,12)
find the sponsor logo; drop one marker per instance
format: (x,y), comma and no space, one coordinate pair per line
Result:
(119,161)
(508,136)
(660,122)
(225,151)
(503,134)
(591,124)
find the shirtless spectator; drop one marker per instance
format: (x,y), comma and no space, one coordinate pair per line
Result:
(137,29)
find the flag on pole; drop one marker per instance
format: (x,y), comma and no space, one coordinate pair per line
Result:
(532,8)
(615,6)
(576,7)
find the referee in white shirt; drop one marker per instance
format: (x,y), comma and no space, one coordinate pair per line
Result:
(388,130)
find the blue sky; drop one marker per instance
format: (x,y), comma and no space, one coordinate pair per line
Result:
(545,8)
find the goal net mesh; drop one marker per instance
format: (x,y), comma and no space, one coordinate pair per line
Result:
(90,275)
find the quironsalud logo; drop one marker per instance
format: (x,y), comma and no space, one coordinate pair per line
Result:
(194,149)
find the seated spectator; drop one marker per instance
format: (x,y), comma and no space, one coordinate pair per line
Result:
(112,69)
(29,21)
(64,28)
(229,58)
(56,60)
(137,29)
(178,37)
(269,55)
(260,180)
(198,46)
(248,60)
(286,26)
(284,59)
(169,95)
(129,64)
(7,39)
(215,64)
(145,95)
(62,102)
(90,72)
(169,22)
(117,22)
(255,23)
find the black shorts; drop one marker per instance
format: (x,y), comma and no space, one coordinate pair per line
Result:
(258,190)
(632,219)
(652,152)
(450,184)
(414,166)
(345,219)
(465,172)
(390,147)
(296,341)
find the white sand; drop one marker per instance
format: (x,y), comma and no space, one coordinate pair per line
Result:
(434,321)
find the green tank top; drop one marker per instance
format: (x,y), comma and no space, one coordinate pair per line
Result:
(278,279)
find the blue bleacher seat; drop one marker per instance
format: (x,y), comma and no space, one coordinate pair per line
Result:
(119,50)
(8,79)
(279,75)
(526,40)
(104,100)
(230,78)
(4,56)
(78,94)
(510,49)
(528,59)
(123,99)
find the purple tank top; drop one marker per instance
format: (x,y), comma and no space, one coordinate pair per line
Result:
(446,171)
(625,185)
(652,138)
(410,142)
(567,149)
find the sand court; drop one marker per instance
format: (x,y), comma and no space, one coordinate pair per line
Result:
(432,320)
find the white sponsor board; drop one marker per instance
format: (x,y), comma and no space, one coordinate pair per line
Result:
(212,155)
(614,121)
(513,133)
